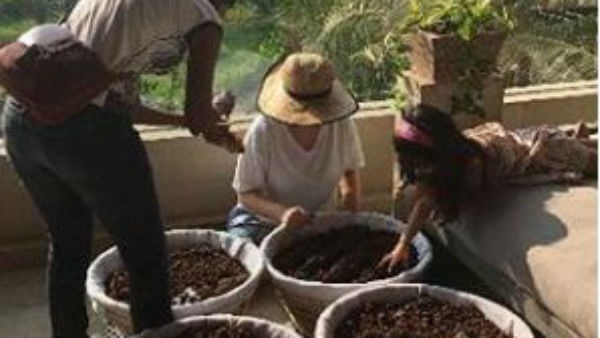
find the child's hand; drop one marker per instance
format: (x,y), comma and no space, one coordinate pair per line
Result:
(295,217)
(397,256)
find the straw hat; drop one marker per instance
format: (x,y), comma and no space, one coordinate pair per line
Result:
(304,90)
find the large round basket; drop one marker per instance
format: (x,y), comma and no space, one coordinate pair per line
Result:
(503,318)
(305,300)
(259,328)
(116,313)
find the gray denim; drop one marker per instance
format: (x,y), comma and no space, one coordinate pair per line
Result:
(94,163)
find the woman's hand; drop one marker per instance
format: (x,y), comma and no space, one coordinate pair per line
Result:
(212,123)
(295,217)
(350,190)
(399,255)
(221,136)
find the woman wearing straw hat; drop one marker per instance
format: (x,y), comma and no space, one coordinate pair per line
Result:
(298,151)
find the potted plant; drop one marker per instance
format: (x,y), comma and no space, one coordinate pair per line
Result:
(449,33)
(455,43)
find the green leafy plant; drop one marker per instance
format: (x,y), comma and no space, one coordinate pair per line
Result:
(466,20)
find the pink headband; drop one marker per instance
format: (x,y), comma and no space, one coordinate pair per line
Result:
(408,132)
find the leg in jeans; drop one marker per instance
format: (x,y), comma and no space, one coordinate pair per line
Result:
(243,224)
(111,172)
(101,158)
(70,226)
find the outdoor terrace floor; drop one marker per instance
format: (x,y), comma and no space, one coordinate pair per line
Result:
(25,308)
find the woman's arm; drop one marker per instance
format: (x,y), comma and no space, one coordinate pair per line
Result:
(420,214)
(350,190)
(204,45)
(276,212)
(200,114)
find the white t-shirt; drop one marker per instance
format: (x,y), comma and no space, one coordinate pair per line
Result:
(138,36)
(276,164)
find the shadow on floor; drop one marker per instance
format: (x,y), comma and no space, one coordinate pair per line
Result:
(447,271)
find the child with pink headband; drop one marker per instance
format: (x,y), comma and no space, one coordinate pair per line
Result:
(444,164)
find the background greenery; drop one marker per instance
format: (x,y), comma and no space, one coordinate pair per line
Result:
(554,40)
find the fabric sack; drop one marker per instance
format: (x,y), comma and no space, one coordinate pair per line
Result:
(54,80)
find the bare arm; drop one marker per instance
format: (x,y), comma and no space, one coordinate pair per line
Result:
(200,114)
(205,43)
(278,213)
(420,214)
(350,190)
(257,203)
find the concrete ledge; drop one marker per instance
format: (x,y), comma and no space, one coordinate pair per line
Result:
(193,181)
(551,104)
(193,178)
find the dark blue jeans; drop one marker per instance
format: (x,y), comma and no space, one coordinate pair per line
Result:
(242,223)
(93,163)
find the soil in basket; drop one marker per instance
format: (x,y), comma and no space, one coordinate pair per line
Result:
(424,317)
(221,331)
(344,255)
(195,274)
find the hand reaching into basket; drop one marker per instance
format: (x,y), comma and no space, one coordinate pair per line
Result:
(398,256)
(296,217)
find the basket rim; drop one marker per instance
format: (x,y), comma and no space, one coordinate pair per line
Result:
(220,318)
(407,274)
(97,293)
(422,289)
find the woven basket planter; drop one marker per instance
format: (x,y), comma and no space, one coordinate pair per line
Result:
(305,300)
(503,318)
(116,313)
(259,328)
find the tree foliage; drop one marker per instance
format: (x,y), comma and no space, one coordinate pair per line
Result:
(553,40)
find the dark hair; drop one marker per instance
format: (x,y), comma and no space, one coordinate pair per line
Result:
(448,156)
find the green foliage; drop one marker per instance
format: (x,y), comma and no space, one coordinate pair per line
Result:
(239,69)
(364,38)
(361,38)
(10,31)
(554,43)
(465,18)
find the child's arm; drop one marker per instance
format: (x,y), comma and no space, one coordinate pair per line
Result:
(350,190)
(420,213)
(279,213)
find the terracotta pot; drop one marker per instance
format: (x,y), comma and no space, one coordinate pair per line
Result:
(436,58)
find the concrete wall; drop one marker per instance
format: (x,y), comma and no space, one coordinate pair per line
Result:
(552,104)
(193,182)
(193,178)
